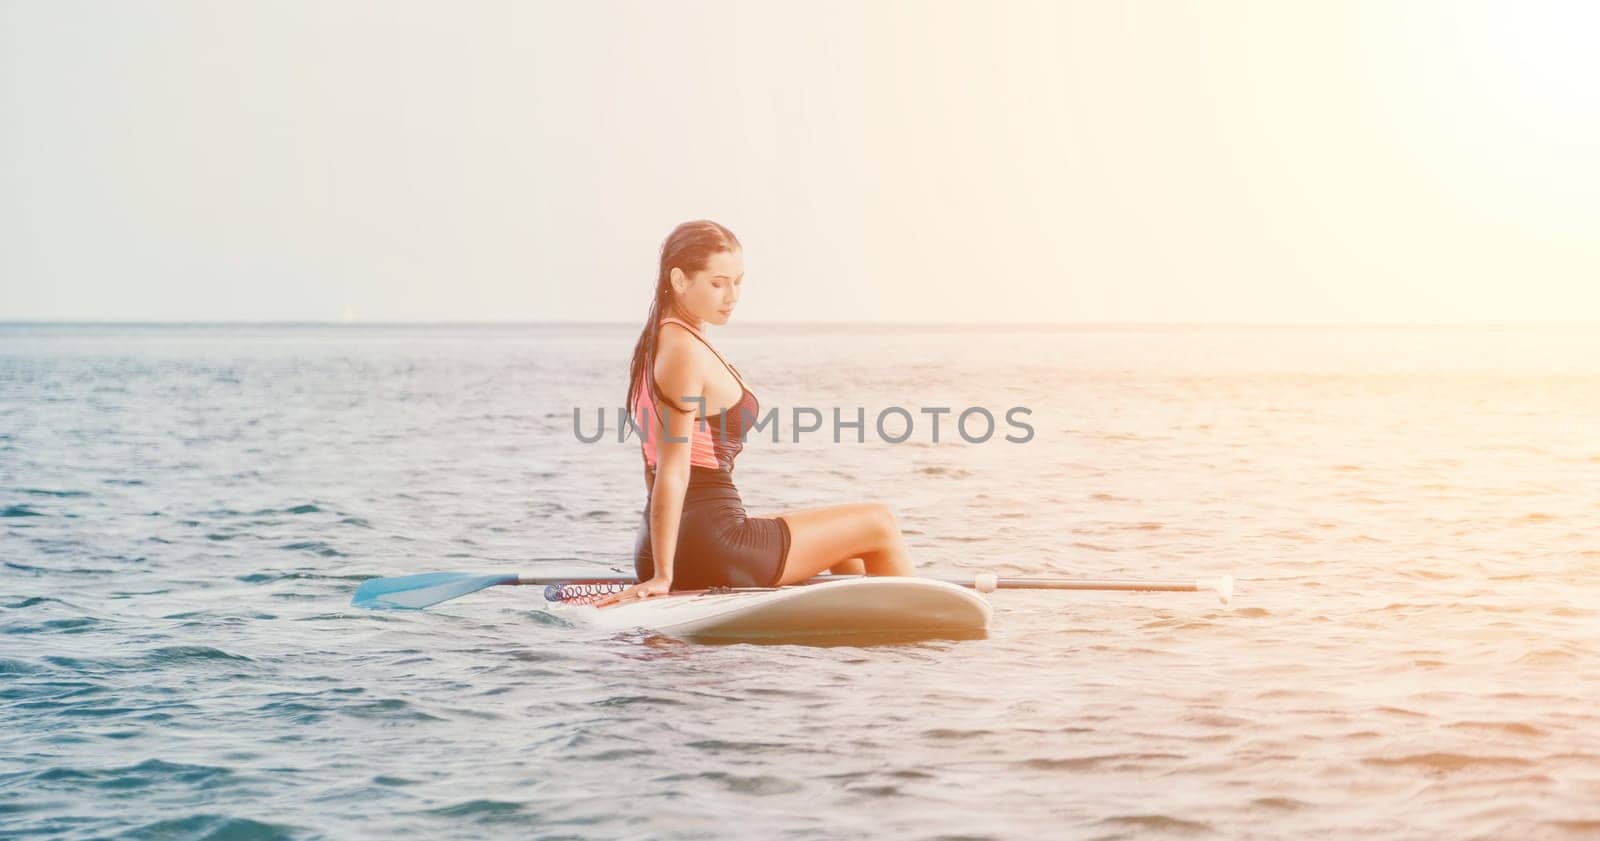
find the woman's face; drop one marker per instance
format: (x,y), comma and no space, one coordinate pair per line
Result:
(711,293)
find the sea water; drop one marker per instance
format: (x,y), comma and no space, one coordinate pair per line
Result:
(1413,651)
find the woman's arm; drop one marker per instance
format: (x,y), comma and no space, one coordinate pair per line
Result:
(681,381)
(679,375)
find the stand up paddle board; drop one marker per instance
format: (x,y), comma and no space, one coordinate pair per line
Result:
(901,607)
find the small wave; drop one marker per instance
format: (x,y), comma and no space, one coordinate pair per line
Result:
(25,567)
(1285,694)
(616,754)
(78,664)
(1158,823)
(1514,727)
(760,785)
(75,625)
(546,619)
(1217,720)
(1579,828)
(261,577)
(33,601)
(19,511)
(1548,655)
(1429,575)
(147,773)
(724,745)
(952,472)
(389,780)
(1447,762)
(183,654)
(1110,761)
(315,546)
(1514,697)
(17,667)
(952,734)
(1512,577)
(1286,804)
(47,492)
(216,828)
(487,811)
(880,791)
(295,711)
(389,709)
(635,700)
(1402,711)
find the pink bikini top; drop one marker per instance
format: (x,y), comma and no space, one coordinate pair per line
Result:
(708,446)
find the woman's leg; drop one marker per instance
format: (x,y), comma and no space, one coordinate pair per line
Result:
(832,537)
(854,566)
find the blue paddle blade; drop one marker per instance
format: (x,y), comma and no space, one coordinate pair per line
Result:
(419,591)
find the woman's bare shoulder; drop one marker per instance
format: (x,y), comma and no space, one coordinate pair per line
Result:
(680,359)
(680,344)
(675,332)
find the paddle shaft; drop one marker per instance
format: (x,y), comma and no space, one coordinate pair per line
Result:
(1000,583)
(431,588)
(1222,585)
(1088,584)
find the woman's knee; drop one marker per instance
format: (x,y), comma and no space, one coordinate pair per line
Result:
(883,520)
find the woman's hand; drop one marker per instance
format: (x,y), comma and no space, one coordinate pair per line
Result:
(656,586)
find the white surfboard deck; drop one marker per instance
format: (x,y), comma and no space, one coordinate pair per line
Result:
(872,606)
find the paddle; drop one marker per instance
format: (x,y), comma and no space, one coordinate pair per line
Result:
(431,588)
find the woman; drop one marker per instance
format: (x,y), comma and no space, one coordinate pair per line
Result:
(695,533)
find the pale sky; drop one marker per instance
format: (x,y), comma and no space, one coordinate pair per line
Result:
(1213,161)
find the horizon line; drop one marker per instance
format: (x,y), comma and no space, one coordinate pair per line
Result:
(864,323)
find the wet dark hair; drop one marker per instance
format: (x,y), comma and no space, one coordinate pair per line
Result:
(688,247)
